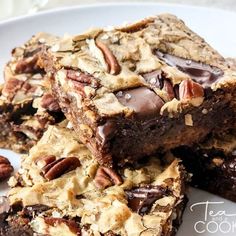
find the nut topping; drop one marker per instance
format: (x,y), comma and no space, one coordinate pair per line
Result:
(114,67)
(5,168)
(11,87)
(192,92)
(45,160)
(80,80)
(27,65)
(49,103)
(106,177)
(59,167)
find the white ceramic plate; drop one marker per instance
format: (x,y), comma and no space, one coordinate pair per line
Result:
(211,215)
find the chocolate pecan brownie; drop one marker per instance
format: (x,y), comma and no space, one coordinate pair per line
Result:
(62,190)
(143,88)
(26,103)
(213,164)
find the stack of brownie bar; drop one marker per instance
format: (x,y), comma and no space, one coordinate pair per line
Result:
(113,121)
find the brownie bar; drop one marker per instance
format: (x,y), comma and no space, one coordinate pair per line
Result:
(136,90)
(213,164)
(62,190)
(26,103)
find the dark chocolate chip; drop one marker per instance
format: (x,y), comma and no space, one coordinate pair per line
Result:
(141,200)
(142,100)
(202,73)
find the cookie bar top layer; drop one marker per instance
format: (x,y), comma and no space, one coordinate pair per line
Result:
(26,103)
(131,201)
(112,82)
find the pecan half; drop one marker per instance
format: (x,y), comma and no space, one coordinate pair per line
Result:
(50,103)
(192,92)
(45,160)
(5,168)
(114,67)
(106,177)
(59,167)
(72,225)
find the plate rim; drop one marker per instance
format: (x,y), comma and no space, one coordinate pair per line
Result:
(59,10)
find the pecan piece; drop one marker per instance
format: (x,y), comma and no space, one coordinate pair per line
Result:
(80,80)
(5,168)
(106,177)
(114,67)
(45,160)
(49,103)
(11,87)
(27,65)
(192,92)
(59,167)
(72,225)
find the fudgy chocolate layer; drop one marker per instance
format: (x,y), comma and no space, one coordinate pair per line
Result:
(213,170)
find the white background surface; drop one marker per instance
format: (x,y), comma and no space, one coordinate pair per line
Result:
(214,25)
(9,8)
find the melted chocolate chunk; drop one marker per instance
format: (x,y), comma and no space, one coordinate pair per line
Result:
(142,100)
(105,131)
(154,78)
(141,199)
(203,74)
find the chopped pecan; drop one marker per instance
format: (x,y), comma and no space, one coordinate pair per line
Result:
(80,80)
(45,160)
(132,28)
(50,103)
(191,91)
(114,67)
(11,87)
(106,177)
(5,168)
(72,225)
(59,167)
(27,65)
